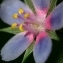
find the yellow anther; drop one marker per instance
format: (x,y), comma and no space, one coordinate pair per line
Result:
(14,25)
(20,11)
(21,28)
(15,16)
(26,15)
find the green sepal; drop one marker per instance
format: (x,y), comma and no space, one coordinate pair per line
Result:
(52,6)
(53,35)
(28,52)
(10,30)
(30,5)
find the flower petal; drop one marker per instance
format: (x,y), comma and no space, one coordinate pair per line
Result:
(16,46)
(56,17)
(10,7)
(42,48)
(42,4)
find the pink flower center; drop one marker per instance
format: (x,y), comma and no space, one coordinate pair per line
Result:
(31,22)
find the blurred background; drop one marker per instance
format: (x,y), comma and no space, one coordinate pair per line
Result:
(56,55)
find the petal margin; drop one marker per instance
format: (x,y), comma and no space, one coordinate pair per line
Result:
(42,48)
(55,19)
(16,46)
(41,4)
(10,7)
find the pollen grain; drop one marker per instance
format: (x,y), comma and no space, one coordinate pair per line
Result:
(20,11)
(13,25)
(21,27)
(26,15)
(15,16)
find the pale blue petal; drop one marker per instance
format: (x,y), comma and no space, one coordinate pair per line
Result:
(42,49)
(42,4)
(15,47)
(56,18)
(9,7)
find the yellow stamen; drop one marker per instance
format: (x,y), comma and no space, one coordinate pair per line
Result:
(15,16)
(20,11)
(21,28)
(13,25)
(26,15)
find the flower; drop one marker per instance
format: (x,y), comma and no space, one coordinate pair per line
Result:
(33,27)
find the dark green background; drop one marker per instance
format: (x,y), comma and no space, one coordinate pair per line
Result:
(57,50)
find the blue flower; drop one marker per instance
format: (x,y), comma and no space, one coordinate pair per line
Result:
(33,27)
